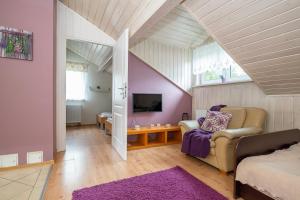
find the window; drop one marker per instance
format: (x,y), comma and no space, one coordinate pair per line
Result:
(75,85)
(211,64)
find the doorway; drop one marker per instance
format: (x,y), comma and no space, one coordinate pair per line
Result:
(88,71)
(88,82)
(119,89)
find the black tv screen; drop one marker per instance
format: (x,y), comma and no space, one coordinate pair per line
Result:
(147,102)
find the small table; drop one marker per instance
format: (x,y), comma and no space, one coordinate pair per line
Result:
(101,121)
(108,127)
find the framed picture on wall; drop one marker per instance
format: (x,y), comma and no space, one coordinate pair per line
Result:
(15,43)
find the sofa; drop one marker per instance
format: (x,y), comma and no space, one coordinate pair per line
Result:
(245,121)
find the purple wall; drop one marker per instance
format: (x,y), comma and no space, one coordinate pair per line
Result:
(144,79)
(27,87)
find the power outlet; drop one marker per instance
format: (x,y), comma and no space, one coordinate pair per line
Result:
(9,160)
(34,157)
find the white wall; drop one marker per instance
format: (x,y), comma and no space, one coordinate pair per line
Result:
(96,102)
(283,111)
(172,62)
(70,25)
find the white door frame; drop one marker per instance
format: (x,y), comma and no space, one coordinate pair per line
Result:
(61,94)
(70,25)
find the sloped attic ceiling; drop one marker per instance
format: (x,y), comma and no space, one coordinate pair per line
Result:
(178,28)
(262,36)
(99,55)
(108,15)
(113,16)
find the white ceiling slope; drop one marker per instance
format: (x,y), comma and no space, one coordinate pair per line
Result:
(113,16)
(178,28)
(263,36)
(96,54)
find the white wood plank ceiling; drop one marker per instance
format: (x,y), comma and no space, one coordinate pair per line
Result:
(178,28)
(113,16)
(94,53)
(263,36)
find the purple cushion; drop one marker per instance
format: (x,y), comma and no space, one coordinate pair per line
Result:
(217,107)
(201,120)
(216,121)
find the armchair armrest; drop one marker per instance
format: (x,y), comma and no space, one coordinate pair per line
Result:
(236,133)
(189,124)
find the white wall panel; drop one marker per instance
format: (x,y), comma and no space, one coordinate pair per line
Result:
(172,62)
(283,110)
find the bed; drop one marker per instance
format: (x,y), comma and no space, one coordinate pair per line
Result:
(101,119)
(267,166)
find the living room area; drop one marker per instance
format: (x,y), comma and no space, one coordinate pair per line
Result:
(192,100)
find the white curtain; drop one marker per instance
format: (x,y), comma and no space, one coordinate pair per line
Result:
(76,81)
(212,59)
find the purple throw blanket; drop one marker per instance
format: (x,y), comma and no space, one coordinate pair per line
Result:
(196,142)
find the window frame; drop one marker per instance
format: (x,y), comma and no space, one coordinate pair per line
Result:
(211,57)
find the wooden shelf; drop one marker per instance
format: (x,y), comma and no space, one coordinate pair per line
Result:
(173,137)
(138,142)
(145,137)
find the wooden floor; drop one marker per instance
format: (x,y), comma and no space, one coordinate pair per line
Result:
(90,160)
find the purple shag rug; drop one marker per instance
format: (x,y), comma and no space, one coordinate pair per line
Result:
(171,184)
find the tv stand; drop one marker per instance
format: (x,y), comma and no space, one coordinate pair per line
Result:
(146,137)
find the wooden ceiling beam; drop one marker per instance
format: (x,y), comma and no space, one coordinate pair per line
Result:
(103,66)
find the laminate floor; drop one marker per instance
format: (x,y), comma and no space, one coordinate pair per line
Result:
(90,160)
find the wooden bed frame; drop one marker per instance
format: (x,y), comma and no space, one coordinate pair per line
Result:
(260,145)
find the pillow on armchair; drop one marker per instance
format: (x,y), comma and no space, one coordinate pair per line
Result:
(216,121)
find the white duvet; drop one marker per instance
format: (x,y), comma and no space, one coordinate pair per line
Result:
(276,174)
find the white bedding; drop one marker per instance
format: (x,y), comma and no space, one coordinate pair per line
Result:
(276,174)
(106,114)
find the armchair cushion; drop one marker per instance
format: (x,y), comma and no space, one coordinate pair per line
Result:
(236,133)
(189,124)
(238,116)
(255,117)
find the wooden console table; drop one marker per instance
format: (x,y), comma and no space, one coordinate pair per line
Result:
(145,137)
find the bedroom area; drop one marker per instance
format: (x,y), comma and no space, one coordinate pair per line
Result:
(88,82)
(88,95)
(150,100)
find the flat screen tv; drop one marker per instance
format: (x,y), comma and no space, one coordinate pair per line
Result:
(147,102)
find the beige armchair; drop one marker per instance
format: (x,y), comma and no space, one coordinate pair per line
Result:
(245,121)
